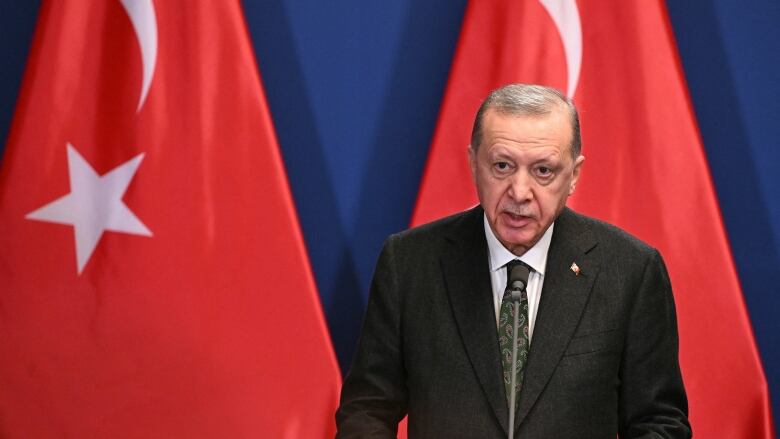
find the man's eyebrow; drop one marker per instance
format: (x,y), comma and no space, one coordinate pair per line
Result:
(499,152)
(552,156)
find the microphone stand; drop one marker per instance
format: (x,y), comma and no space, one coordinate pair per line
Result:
(517,295)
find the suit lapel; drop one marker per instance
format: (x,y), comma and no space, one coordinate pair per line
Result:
(563,299)
(467,276)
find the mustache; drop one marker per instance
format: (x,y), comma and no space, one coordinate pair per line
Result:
(519,209)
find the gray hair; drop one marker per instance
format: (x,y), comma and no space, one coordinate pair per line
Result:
(527,100)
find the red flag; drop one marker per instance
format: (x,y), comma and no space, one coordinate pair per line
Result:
(154,277)
(645,170)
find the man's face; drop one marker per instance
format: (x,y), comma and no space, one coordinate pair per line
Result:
(524,173)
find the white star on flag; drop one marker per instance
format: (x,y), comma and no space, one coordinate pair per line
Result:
(94,204)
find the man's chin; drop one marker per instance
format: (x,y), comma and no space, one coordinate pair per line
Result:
(514,239)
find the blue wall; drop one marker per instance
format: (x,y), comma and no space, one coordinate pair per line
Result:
(355,87)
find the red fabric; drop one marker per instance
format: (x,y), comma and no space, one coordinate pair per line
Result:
(209,328)
(645,172)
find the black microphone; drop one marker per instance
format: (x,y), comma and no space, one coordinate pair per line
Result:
(517,279)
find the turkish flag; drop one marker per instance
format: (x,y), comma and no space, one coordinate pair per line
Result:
(154,278)
(645,170)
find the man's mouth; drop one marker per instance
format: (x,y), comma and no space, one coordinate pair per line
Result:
(515,220)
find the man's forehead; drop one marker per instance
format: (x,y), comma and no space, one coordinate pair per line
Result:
(527,130)
(555,111)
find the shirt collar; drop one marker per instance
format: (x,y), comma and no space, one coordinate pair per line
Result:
(535,257)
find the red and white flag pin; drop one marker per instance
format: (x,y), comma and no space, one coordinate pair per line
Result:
(575,268)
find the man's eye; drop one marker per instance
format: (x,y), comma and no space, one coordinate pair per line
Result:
(502,166)
(543,171)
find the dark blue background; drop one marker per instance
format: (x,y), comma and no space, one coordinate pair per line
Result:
(355,87)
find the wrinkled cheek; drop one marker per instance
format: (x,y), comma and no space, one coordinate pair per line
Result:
(491,200)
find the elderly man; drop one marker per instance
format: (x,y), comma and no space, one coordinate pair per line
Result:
(597,346)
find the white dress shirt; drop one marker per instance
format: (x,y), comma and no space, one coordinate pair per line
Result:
(535,257)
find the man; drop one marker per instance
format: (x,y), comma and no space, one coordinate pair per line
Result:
(598,345)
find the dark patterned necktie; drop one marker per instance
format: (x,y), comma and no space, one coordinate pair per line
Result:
(506,321)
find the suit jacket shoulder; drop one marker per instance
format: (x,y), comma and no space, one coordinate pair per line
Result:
(601,232)
(463,224)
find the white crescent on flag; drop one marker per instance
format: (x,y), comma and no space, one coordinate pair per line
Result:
(142,15)
(566,17)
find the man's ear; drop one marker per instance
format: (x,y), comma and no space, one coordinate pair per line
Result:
(473,163)
(576,173)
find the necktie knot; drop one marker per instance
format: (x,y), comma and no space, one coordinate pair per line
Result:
(514,263)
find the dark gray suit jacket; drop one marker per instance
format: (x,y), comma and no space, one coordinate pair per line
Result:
(603,360)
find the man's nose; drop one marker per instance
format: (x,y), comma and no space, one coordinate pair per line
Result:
(520,186)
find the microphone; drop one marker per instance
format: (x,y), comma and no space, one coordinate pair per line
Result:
(517,279)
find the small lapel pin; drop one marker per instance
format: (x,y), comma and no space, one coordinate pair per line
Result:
(575,268)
